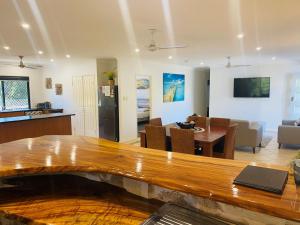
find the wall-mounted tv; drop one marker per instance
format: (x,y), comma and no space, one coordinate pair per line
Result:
(255,87)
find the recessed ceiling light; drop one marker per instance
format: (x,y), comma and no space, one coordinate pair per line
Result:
(273,58)
(170,57)
(40,52)
(258,48)
(68,56)
(240,36)
(25,25)
(6,47)
(51,60)
(137,50)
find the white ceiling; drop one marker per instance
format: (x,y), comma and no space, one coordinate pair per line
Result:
(106,28)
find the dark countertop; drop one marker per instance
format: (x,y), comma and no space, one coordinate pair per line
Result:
(24,110)
(33,117)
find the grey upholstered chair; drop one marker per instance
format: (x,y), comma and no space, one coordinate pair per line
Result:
(288,133)
(248,134)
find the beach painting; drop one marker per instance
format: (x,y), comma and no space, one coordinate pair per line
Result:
(173,87)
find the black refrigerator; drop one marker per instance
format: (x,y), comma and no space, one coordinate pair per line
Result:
(109,113)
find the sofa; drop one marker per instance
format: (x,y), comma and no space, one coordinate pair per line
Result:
(288,133)
(249,134)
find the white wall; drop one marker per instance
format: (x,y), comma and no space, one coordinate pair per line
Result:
(35,81)
(62,71)
(128,69)
(269,110)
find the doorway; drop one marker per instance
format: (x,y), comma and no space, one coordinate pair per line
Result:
(201,91)
(143,96)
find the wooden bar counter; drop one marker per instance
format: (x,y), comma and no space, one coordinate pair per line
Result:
(201,177)
(19,127)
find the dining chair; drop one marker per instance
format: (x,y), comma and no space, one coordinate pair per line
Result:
(229,146)
(155,122)
(156,137)
(200,121)
(219,122)
(182,141)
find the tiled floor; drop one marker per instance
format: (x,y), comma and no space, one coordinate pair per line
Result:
(268,154)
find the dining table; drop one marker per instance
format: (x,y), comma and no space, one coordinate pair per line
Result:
(206,139)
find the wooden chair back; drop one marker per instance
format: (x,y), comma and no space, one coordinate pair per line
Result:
(229,145)
(182,140)
(219,122)
(155,122)
(156,137)
(199,120)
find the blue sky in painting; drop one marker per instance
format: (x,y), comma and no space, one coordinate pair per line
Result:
(174,79)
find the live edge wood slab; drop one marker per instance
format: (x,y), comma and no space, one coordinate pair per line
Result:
(66,199)
(200,176)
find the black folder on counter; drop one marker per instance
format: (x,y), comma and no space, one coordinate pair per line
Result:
(266,179)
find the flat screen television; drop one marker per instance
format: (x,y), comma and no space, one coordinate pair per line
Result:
(255,87)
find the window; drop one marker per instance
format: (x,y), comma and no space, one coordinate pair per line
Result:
(14,93)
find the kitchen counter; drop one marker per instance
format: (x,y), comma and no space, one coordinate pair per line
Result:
(33,117)
(206,178)
(19,127)
(24,110)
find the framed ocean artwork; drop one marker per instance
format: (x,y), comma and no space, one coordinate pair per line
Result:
(173,87)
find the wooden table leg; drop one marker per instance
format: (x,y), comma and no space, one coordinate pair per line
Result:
(143,140)
(207,149)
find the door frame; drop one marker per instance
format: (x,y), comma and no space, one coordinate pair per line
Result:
(150,94)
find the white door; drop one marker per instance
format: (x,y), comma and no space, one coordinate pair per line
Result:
(90,105)
(294,109)
(85,98)
(296,99)
(78,125)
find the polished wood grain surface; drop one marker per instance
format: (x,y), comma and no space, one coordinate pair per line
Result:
(210,134)
(11,114)
(34,126)
(66,199)
(200,176)
(207,139)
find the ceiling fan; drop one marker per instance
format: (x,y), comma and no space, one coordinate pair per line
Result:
(21,64)
(153,46)
(229,65)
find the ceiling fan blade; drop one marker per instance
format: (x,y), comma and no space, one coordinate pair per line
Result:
(30,67)
(240,65)
(171,47)
(36,66)
(8,64)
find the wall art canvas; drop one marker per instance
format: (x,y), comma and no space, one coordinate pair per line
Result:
(48,83)
(173,87)
(58,89)
(143,98)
